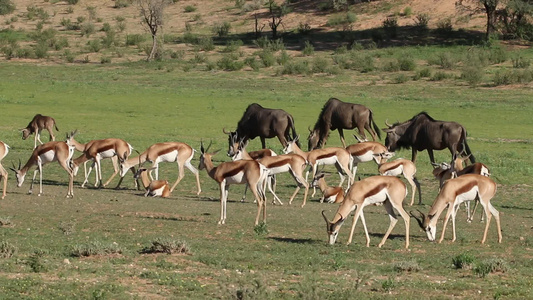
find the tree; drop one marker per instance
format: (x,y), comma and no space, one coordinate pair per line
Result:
(516,19)
(490,8)
(152,14)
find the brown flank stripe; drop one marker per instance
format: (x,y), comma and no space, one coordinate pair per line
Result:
(375,190)
(234,172)
(362,151)
(278,163)
(465,188)
(166,151)
(326,155)
(394,165)
(44,150)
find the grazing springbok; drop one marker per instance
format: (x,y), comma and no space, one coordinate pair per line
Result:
(340,115)
(403,167)
(292,163)
(337,156)
(261,122)
(180,153)
(97,150)
(365,152)
(43,154)
(444,172)
(154,188)
(248,172)
(37,124)
(4,150)
(454,192)
(388,190)
(331,194)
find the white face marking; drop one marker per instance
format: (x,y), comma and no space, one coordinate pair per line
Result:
(431,232)
(289,148)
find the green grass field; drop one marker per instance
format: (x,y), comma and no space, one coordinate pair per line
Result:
(144,104)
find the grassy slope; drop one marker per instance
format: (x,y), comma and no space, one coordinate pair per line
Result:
(144,105)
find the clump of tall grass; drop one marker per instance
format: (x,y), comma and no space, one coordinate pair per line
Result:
(520,62)
(5,221)
(232,46)
(38,262)
(308,49)
(506,77)
(7,249)
(167,245)
(440,75)
(463,261)
(492,265)
(95,248)
(266,43)
(341,19)
(229,63)
(407,266)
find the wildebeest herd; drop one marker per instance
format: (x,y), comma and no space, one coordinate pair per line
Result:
(258,169)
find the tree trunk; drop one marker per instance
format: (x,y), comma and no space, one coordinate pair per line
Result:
(154,48)
(490,9)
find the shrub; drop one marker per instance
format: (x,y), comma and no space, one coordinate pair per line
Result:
(426,72)
(390,26)
(94,45)
(109,39)
(7,250)
(251,6)
(106,27)
(69,57)
(497,55)
(41,49)
(439,75)
(520,62)
(72,2)
(228,63)
(472,74)
(232,46)
(6,7)
(167,245)
(363,63)
(320,65)
(253,63)
(267,57)
(445,60)
(445,26)
(503,77)
(341,19)
(304,28)
(60,43)
(105,60)
(490,266)
(178,54)
(283,57)
(406,63)
(407,266)
(122,3)
(222,29)
(37,261)
(121,26)
(261,229)
(134,39)
(391,66)
(94,247)
(190,8)
(421,22)
(400,78)
(87,29)
(294,68)
(408,11)
(199,58)
(5,221)
(463,261)
(206,44)
(308,49)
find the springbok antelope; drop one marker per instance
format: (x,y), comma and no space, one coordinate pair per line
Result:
(328,156)
(236,172)
(154,188)
(403,167)
(454,192)
(292,163)
(180,153)
(367,151)
(4,150)
(37,124)
(388,190)
(97,150)
(329,193)
(43,154)
(444,172)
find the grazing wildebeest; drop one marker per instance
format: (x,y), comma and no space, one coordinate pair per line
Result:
(261,122)
(340,115)
(422,132)
(37,124)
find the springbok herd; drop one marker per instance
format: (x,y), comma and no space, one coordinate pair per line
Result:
(258,169)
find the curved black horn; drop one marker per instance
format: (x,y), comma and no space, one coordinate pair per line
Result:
(209,146)
(20,164)
(387,123)
(420,221)
(202,150)
(225,131)
(325,218)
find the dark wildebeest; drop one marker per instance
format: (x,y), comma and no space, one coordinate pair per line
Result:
(261,122)
(37,124)
(422,132)
(341,115)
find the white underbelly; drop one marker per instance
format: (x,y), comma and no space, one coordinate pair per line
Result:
(394,172)
(157,192)
(278,170)
(368,156)
(107,154)
(467,196)
(48,156)
(236,179)
(169,157)
(326,161)
(381,196)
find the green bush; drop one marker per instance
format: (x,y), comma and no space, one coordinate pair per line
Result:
(253,63)
(94,45)
(206,44)
(228,63)
(491,266)
(520,62)
(463,261)
(122,3)
(7,250)
(69,57)
(106,27)
(390,27)
(105,60)
(498,55)
(503,77)
(190,8)
(283,57)
(440,75)
(445,26)
(37,261)
(472,74)
(308,49)
(135,39)
(341,19)
(232,46)
(95,247)
(421,23)
(445,60)
(109,39)
(87,29)
(400,78)
(406,63)
(222,29)
(167,245)
(391,66)
(408,11)
(261,229)
(41,49)
(267,57)
(72,2)
(407,266)
(6,7)
(425,72)
(320,65)
(295,68)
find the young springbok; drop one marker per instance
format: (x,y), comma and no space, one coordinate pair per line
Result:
(43,154)
(403,167)
(4,150)
(236,172)
(180,153)
(36,125)
(292,163)
(388,190)
(454,192)
(329,193)
(154,188)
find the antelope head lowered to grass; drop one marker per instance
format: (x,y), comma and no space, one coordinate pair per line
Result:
(331,194)
(154,188)
(454,192)
(36,125)
(388,190)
